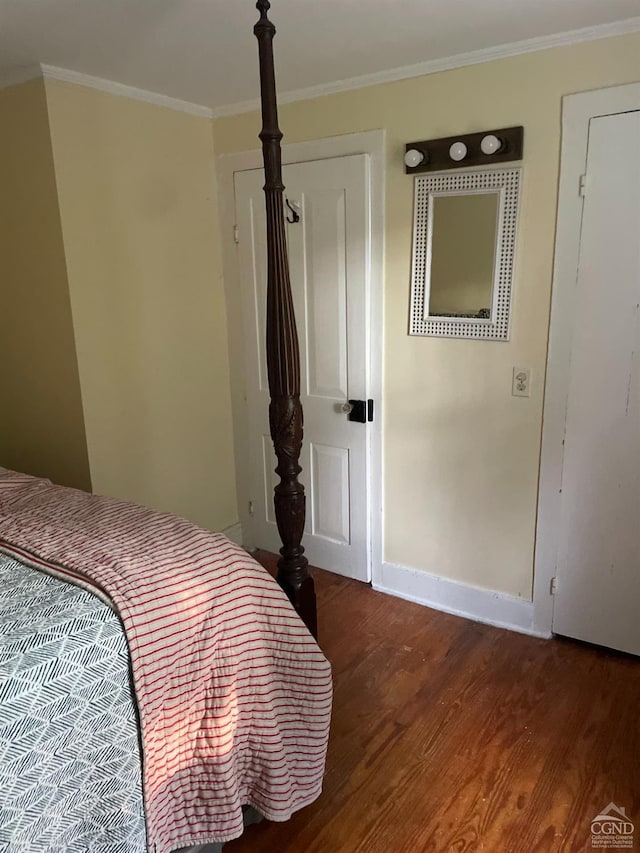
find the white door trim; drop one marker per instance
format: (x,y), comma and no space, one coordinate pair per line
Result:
(372,143)
(577,112)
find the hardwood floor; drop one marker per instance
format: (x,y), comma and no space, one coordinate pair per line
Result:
(449,735)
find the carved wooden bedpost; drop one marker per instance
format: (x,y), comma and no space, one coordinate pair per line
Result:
(283,354)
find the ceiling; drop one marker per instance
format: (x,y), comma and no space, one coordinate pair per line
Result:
(204,52)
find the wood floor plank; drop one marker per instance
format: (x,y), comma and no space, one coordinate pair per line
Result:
(449,736)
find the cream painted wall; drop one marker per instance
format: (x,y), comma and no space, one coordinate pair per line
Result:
(41,421)
(461,455)
(137,190)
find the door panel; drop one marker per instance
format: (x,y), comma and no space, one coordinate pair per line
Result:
(330,493)
(325,279)
(599,552)
(329,260)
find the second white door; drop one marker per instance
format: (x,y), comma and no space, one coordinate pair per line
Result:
(329,254)
(599,552)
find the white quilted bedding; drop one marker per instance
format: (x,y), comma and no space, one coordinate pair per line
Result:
(70,770)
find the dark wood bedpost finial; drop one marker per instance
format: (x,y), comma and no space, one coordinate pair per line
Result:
(283,354)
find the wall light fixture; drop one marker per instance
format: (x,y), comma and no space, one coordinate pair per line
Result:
(470,149)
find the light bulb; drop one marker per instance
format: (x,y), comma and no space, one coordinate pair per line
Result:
(458,151)
(490,144)
(413,158)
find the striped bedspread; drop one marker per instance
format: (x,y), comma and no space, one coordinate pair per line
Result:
(234,696)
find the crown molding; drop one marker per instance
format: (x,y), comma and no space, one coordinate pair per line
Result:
(51,72)
(20,74)
(448,63)
(14,76)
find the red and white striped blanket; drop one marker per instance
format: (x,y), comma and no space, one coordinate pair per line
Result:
(233,693)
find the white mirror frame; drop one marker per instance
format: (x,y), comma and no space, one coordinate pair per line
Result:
(507,183)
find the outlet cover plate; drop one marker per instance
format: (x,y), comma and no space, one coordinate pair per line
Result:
(521,383)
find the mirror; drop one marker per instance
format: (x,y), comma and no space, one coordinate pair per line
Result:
(463,250)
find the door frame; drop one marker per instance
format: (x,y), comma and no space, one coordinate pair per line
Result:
(369,142)
(577,112)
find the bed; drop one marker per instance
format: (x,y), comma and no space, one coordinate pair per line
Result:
(231,691)
(158,689)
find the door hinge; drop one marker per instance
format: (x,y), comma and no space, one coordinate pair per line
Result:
(582,185)
(236,234)
(553,586)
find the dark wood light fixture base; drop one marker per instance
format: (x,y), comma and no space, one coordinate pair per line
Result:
(436,157)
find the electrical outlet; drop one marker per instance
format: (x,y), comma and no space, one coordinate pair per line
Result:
(521,382)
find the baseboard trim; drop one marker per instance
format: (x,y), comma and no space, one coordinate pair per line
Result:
(234,532)
(459,599)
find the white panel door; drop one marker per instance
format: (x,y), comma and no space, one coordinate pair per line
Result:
(329,256)
(598,595)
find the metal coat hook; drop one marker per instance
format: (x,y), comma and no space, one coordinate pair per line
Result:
(295,216)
